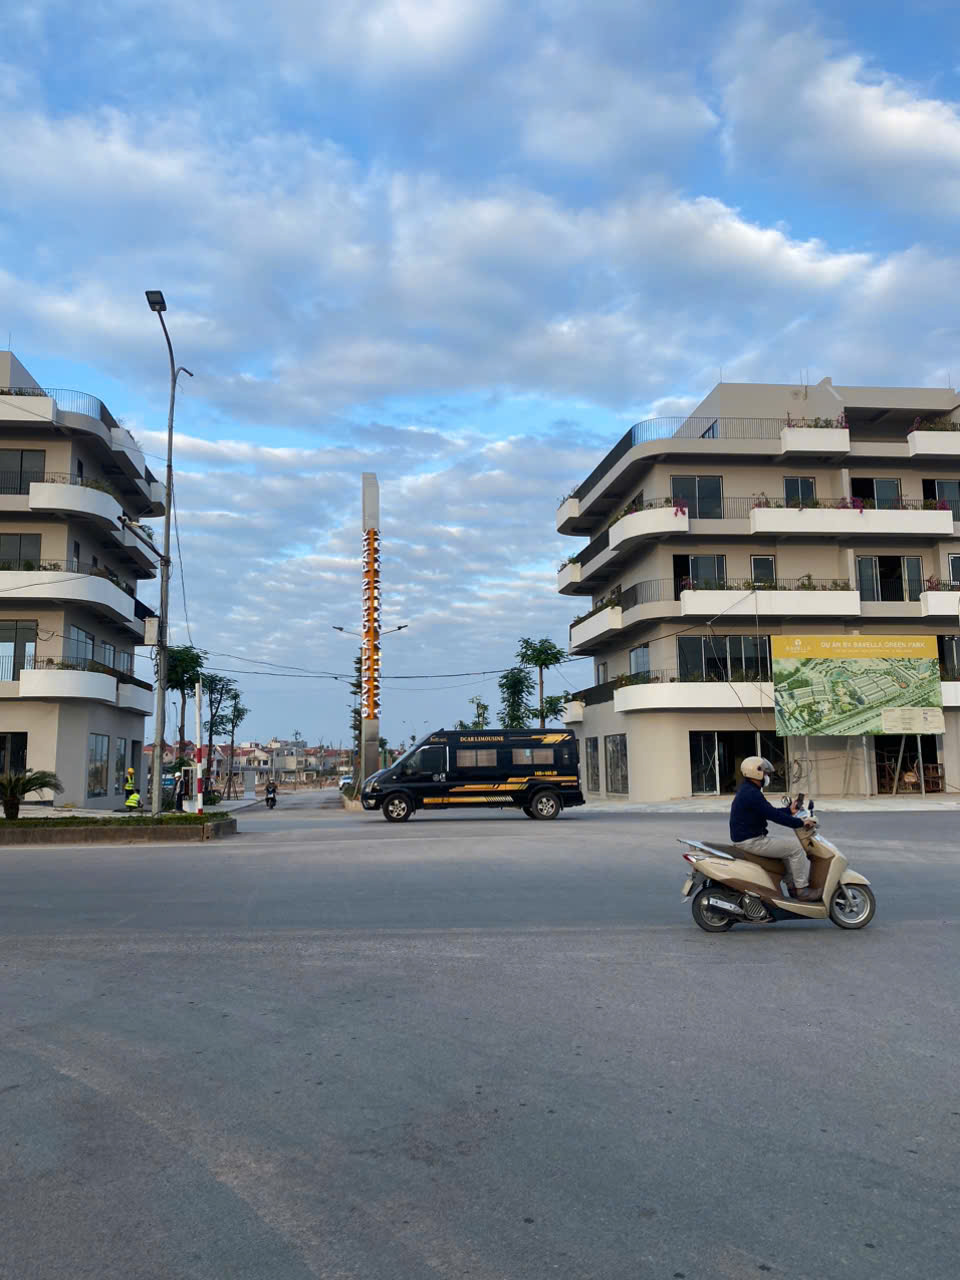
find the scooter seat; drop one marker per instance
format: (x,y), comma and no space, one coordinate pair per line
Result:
(773,865)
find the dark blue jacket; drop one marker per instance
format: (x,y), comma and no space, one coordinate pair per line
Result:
(751,810)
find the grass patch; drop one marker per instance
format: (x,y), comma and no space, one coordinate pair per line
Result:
(118,820)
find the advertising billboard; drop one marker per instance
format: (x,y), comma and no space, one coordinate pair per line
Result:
(856,684)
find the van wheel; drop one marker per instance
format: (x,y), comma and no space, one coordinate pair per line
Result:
(397,808)
(545,804)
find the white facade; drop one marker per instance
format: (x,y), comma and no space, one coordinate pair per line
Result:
(74,488)
(771,510)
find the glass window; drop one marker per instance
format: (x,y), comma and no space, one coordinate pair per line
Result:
(763,568)
(949,647)
(20,550)
(708,573)
(954,562)
(756,657)
(913,572)
(109,655)
(615,758)
(18,648)
(533,755)
(13,753)
(125,662)
(98,757)
(703,763)
(79,645)
(119,765)
(428,760)
(593,763)
(640,660)
(19,468)
(947,491)
(798,491)
(887,493)
(601,673)
(470,759)
(690,657)
(867,578)
(701,495)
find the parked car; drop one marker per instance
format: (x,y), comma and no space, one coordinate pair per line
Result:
(345,780)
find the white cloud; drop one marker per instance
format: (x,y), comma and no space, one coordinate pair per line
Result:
(814,114)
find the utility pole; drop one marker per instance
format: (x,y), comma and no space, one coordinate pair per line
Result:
(157,303)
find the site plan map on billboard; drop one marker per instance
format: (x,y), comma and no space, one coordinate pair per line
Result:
(856,684)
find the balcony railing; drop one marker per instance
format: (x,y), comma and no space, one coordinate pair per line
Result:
(600,693)
(68,401)
(19,482)
(695,429)
(70,567)
(11,666)
(656,590)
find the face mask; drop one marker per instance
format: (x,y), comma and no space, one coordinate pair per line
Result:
(766,780)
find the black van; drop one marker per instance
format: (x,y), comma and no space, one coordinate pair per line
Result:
(536,770)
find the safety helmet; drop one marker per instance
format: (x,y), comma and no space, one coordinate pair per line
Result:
(130,770)
(178,774)
(754,767)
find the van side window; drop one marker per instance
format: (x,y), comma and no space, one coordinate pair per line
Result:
(467,758)
(426,760)
(533,755)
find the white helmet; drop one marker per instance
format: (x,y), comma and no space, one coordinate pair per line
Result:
(756,768)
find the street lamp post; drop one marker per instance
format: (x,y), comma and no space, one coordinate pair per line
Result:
(157,303)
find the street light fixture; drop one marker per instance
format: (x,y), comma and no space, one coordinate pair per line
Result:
(156,302)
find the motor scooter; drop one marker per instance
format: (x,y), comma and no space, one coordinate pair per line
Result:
(729,886)
(271,799)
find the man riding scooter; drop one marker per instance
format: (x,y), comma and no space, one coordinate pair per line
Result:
(749,815)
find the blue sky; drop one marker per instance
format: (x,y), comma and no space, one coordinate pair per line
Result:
(462,244)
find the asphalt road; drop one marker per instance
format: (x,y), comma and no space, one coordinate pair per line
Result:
(471,1045)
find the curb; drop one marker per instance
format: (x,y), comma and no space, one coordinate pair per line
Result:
(95,834)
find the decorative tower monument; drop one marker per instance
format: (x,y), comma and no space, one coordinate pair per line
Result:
(370,652)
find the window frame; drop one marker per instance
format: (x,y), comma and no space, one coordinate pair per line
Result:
(773,565)
(640,668)
(617,770)
(119,765)
(98,764)
(476,752)
(601,670)
(799,500)
(591,762)
(693,504)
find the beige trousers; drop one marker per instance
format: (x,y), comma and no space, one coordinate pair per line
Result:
(788,850)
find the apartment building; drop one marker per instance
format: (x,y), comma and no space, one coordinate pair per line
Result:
(73,488)
(771,510)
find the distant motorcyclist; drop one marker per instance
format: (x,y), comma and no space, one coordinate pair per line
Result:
(271,794)
(749,815)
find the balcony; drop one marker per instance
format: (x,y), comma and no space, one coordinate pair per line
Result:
(66,495)
(845,518)
(934,444)
(596,627)
(940,600)
(134,696)
(71,582)
(54,684)
(568,513)
(815,443)
(573,712)
(804,597)
(669,691)
(145,557)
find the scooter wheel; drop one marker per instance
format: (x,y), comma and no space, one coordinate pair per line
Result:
(854,908)
(707,917)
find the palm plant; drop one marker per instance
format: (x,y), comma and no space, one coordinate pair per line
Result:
(14,787)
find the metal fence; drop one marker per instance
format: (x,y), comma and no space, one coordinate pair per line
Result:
(68,567)
(68,401)
(19,482)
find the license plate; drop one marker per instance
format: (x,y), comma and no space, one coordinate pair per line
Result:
(688,885)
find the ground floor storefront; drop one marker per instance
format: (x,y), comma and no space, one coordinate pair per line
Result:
(654,756)
(88,745)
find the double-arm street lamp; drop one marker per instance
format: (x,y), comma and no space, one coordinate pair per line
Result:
(157,303)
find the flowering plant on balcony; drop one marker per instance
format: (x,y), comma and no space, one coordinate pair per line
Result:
(679,507)
(943,423)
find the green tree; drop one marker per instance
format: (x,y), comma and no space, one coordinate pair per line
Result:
(235,713)
(481,712)
(552,707)
(14,787)
(184,669)
(542,654)
(516,686)
(219,691)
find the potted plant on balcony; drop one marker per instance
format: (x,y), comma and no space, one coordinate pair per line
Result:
(15,787)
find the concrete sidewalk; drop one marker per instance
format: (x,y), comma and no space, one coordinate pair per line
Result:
(828,804)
